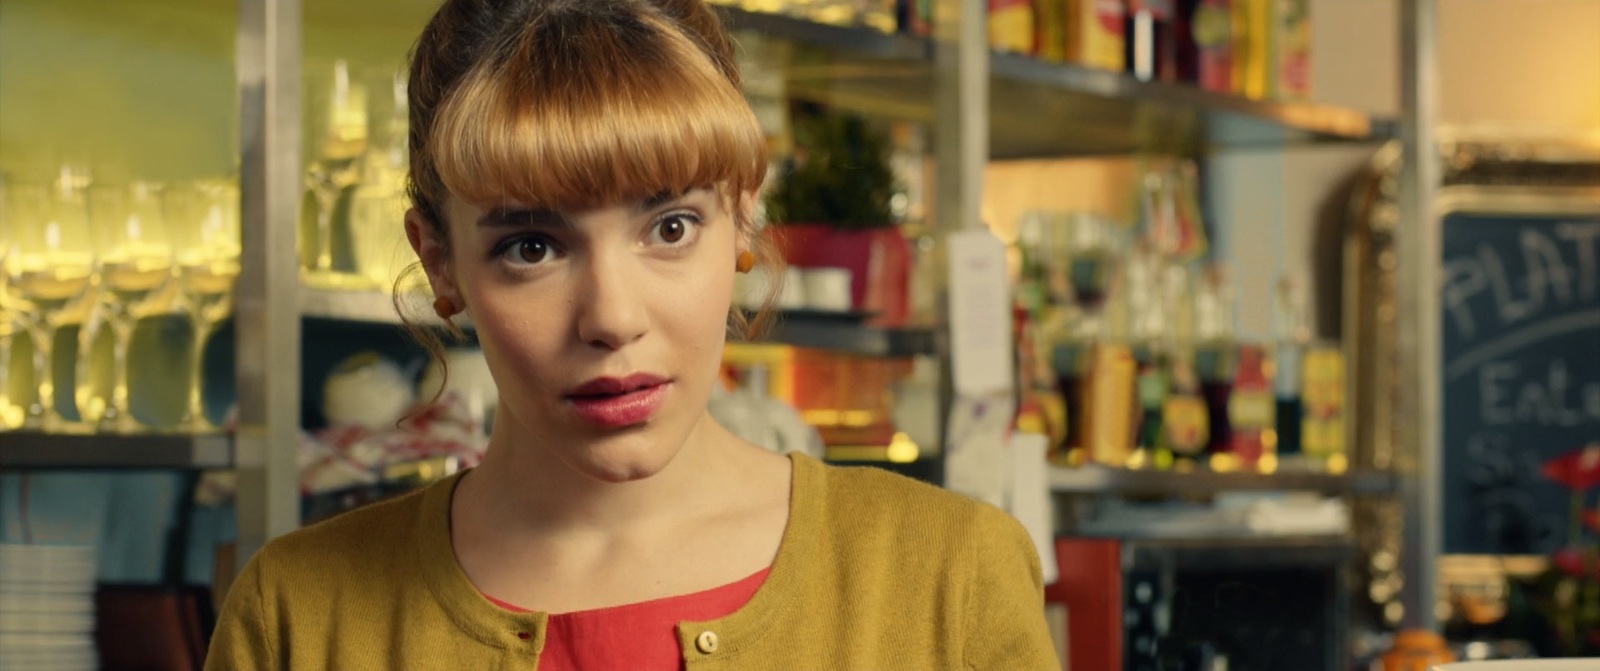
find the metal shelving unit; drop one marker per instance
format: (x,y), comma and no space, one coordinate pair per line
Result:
(1104,480)
(1038,108)
(30,450)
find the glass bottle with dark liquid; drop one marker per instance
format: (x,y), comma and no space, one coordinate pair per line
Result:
(1087,259)
(1215,356)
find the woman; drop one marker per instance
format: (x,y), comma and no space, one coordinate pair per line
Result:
(583,173)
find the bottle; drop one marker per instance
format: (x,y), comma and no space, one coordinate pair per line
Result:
(1253,445)
(1151,48)
(1184,421)
(1290,334)
(1096,36)
(1212,29)
(1292,49)
(1254,47)
(1323,432)
(1147,334)
(1110,392)
(1011,26)
(1215,358)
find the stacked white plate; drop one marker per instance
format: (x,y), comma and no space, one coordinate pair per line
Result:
(47,608)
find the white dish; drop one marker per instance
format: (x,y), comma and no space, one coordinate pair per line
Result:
(54,604)
(12,642)
(32,623)
(8,588)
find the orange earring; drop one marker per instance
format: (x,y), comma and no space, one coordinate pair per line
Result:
(745,263)
(445,308)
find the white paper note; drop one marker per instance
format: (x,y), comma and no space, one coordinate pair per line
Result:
(980,314)
(976,435)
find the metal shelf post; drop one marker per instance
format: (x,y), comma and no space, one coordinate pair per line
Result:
(268,292)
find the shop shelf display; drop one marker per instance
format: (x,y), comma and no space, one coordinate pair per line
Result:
(1041,107)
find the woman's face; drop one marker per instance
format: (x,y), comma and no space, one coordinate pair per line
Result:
(603,328)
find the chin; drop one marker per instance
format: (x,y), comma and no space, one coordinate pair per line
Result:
(628,457)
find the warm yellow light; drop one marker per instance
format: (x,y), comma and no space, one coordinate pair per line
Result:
(821,417)
(856,418)
(1269,438)
(1268,464)
(1138,460)
(1338,464)
(1223,462)
(903,450)
(1164,460)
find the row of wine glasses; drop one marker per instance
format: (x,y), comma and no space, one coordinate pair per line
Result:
(104,256)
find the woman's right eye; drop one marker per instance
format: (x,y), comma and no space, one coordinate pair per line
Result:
(528,251)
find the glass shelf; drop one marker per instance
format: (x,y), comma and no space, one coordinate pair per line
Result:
(1103,480)
(32,450)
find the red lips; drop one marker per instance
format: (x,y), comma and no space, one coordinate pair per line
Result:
(615,403)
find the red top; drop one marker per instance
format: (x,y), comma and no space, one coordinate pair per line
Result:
(642,636)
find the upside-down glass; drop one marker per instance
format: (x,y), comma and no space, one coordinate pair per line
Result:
(50,276)
(337,127)
(136,266)
(204,220)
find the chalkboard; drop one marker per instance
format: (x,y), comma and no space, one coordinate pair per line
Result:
(1520,302)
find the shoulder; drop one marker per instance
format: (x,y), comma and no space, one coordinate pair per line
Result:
(859,492)
(357,541)
(873,505)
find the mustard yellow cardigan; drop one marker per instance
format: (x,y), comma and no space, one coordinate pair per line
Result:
(875,571)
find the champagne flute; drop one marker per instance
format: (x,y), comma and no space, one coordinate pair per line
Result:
(136,265)
(50,276)
(339,131)
(204,220)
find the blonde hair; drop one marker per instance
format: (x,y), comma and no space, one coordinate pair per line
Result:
(564,104)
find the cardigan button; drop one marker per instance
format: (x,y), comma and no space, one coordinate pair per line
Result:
(706,642)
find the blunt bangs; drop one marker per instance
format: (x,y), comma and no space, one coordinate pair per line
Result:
(586,111)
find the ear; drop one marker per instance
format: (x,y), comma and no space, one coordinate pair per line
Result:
(745,212)
(434,253)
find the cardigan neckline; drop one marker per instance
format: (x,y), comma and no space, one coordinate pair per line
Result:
(476,616)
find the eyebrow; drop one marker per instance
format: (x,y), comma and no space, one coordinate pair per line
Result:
(521,217)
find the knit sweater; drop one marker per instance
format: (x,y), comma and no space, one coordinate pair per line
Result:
(874,571)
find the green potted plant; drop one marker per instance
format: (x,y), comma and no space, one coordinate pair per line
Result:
(832,207)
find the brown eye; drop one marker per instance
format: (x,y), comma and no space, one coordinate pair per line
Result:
(672,230)
(532,250)
(675,230)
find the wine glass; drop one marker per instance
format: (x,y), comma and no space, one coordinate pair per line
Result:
(10,414)
(204,221)
(136,266)
(339,134)
(50,276)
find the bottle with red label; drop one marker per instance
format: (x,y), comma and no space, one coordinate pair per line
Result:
(1209,61)
(1252,411)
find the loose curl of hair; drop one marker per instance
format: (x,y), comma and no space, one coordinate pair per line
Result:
(576,103)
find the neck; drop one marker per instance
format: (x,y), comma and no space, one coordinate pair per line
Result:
(534,490)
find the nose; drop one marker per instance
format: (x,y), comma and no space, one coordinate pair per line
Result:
(611,307)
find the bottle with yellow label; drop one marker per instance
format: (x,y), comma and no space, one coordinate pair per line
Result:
(1254,48)
(1095,36)
(1011,26)
(1323,428)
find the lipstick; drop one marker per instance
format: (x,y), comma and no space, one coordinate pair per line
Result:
(615,403)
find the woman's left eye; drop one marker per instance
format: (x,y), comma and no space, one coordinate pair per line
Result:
(675,230)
